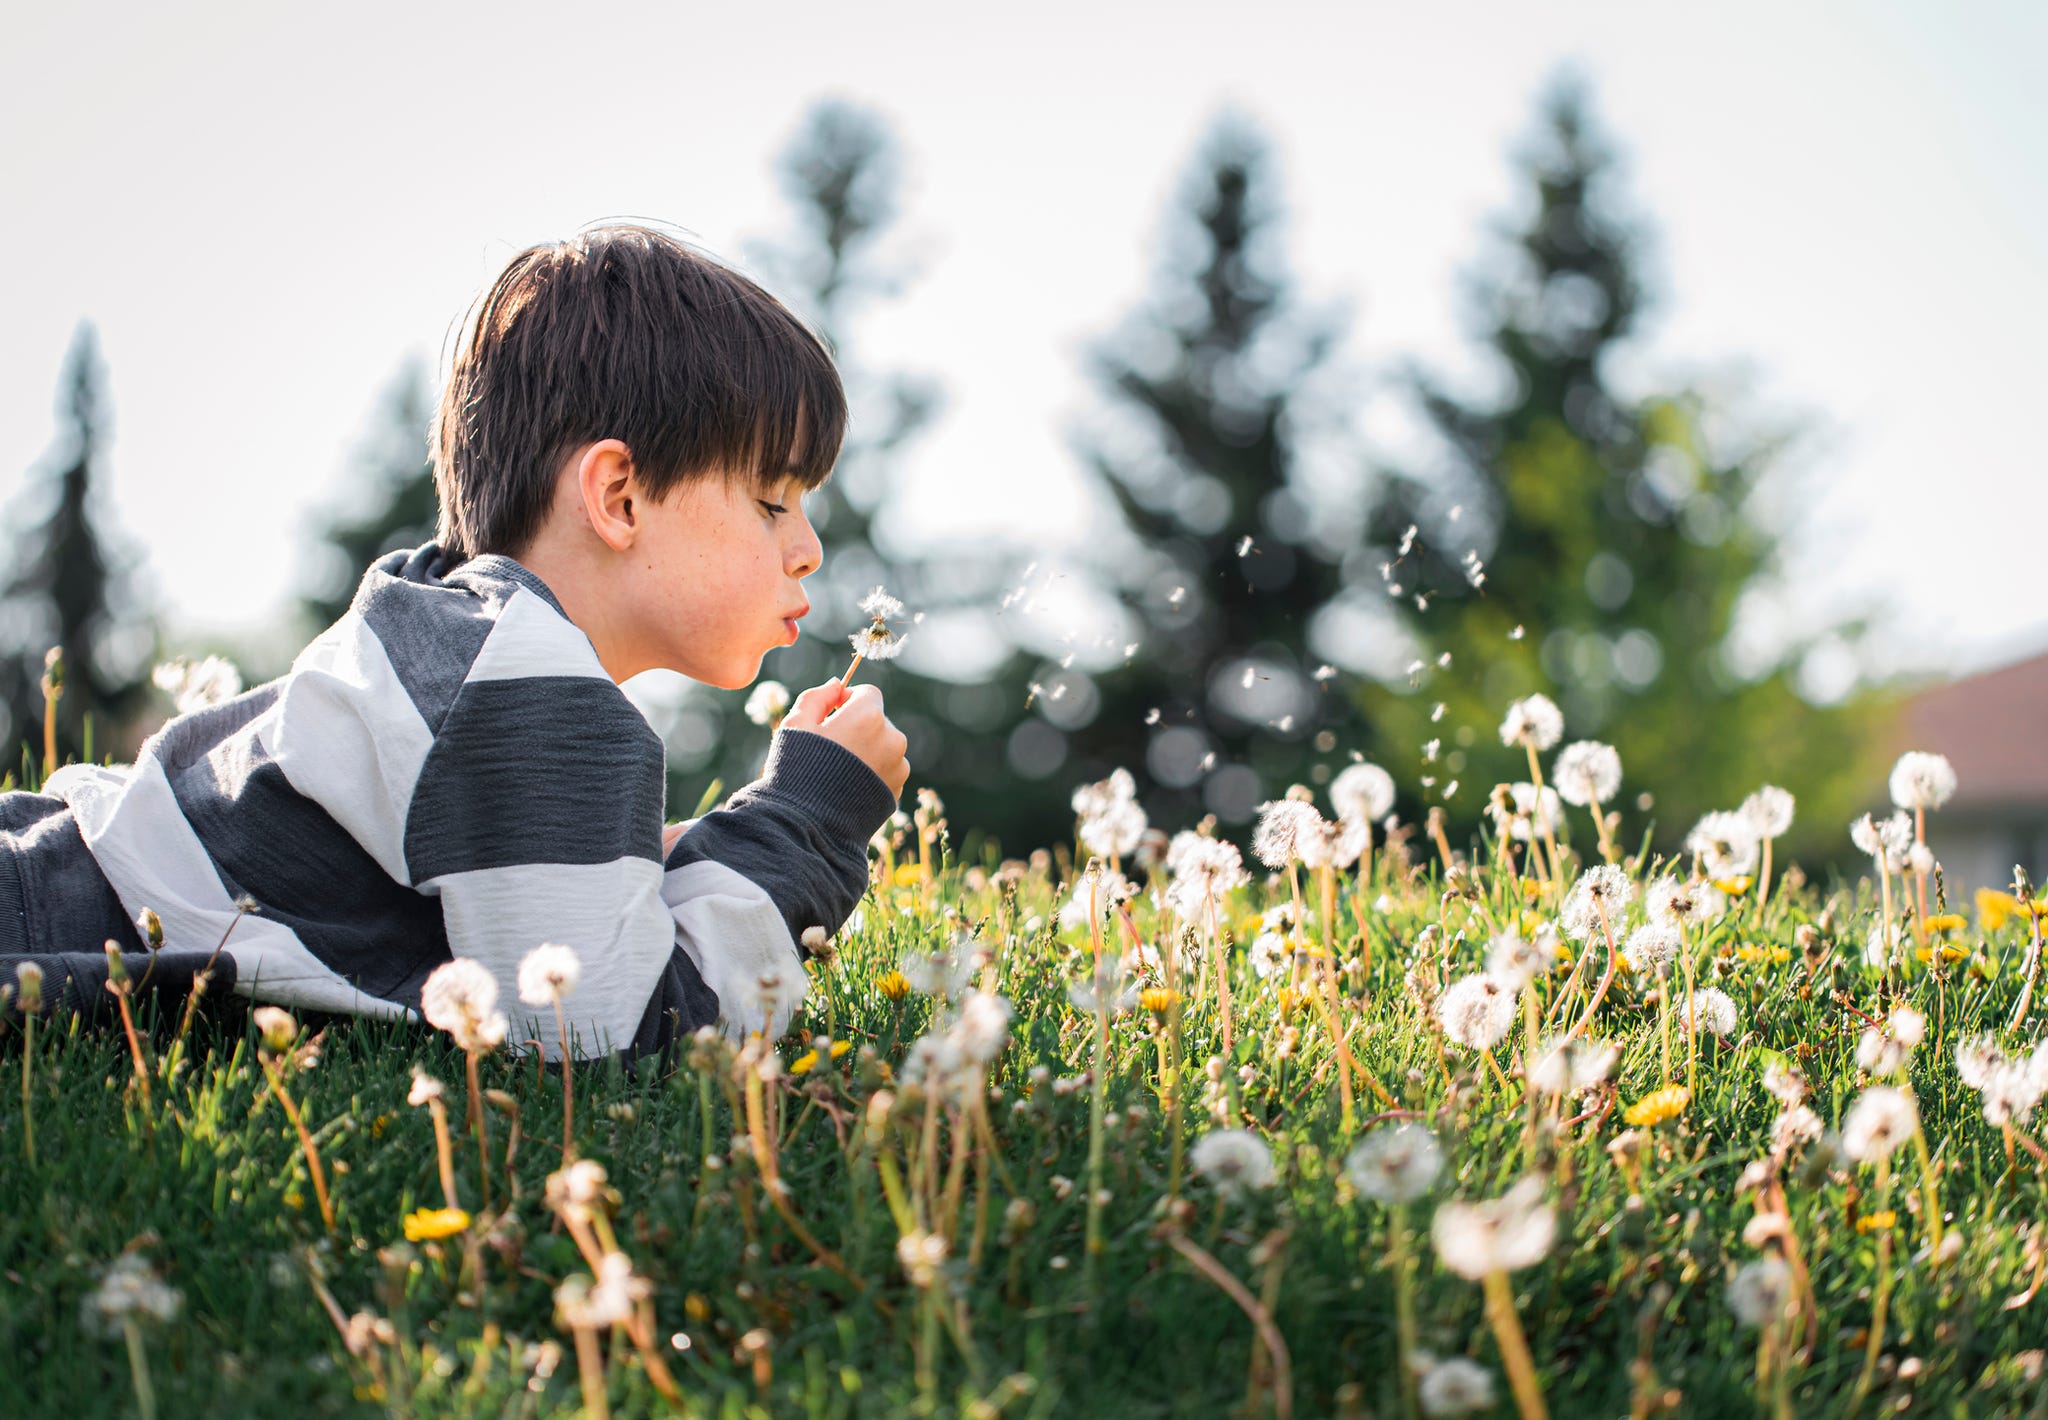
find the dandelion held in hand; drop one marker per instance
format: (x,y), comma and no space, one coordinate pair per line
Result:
(875,641)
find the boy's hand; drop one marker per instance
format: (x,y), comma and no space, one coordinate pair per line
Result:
(853,720)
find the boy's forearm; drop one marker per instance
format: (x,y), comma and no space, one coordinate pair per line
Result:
(799,832)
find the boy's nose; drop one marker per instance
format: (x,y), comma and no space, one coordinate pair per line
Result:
(807,553)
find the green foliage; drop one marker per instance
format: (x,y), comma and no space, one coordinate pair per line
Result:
(69,586)
(1205,453)
(209,1183)
(392,504)
(1619,532)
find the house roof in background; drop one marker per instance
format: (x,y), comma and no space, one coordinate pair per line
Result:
(1993,727)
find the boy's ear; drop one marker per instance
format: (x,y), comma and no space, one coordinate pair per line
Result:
(609,494)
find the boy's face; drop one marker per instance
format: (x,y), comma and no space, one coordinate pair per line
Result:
(714,577)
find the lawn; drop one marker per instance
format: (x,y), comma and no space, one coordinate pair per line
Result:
(983,1177)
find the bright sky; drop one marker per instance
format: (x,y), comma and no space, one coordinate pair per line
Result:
(267,208)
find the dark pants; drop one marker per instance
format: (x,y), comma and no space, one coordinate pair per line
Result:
(59,911)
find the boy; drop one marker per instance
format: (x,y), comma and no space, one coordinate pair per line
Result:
(451,770)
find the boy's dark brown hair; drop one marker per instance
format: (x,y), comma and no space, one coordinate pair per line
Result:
(623,332)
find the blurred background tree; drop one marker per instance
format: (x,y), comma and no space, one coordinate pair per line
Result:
(960,683)
(1618,536)
(1216,705)
(70,584)
(392,504)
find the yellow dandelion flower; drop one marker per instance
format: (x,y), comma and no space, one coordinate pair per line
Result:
(1767,954)
(1159,1000)
(1531,889)
(1658,1106)
(429,1224)
(1946,922)
(379,1125)
(894,985)
(294,1199)
(1948,951)
(840,1047)
(804,1063)
(1882,1222)
(697,1307)
(1734,887)
(910,875)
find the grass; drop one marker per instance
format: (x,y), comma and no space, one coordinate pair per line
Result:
(1626,1313)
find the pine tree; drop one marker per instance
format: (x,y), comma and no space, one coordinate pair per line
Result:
(69,587)
(397,499)
(1590,543)
(1218,707)
(842,177)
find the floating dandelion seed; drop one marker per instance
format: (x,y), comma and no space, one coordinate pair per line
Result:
(1244,547)
(1436,713)
(1152,716)
(1457,511)
(1408,541)
(1422,603)
(1326,672)
(1208,762)
(1517,634)
(1429,749)
(1176,596)
(1130,649)
(1444,661)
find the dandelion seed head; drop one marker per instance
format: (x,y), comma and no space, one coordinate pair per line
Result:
(1760,1291)
(1769,811)
(1922,781)
(1477,1011)
(1395,1164)
(1288,831)
(461,998)
(1455,1387)
(1503,1234)
(878,605)
(1726,844)
(1652,947)
(1587,772)
(1570,1065)
(549,974)
(1711,1010)
(1362,791)
(1878,1123)
(1534,721)
(1235,1161)
(1605,890)
(767,702)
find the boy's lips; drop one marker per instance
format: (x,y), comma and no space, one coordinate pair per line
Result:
(791,620)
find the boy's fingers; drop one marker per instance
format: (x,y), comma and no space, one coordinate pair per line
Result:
(809,709)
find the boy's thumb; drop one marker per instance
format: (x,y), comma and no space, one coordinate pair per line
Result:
(809,709)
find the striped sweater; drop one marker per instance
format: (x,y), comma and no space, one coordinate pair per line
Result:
(448,771)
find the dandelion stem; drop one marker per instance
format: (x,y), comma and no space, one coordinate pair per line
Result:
(1222,972)
(1404,1309)
(482,1128)
(291,1112)
(1095,1109)
(138,1368)
(1261,1319)
(1882,1299)
(847,679)
(28,1060)
(1514,1346)
(1327,880)
(445,1150)
(568,1087)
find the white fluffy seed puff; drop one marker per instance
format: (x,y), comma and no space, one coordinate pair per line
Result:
(1922,781)
(1477,1011)
(1455,1387)
(549,974)
(1501,1234)
(1395,1165)
(1535,722)
(1881,1119)
(461,997)
(1364,792)
(1236,1161)
(1599,892)
(1710,1010)
(1587,772)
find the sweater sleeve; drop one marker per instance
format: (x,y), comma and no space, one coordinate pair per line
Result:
(786,853)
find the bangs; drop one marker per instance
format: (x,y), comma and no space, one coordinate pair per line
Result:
(801,412)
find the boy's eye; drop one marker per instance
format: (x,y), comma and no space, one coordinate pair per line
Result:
(773,508)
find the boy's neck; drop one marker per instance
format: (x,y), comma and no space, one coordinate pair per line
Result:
(573,574)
